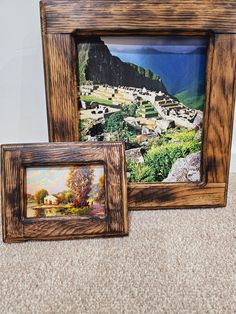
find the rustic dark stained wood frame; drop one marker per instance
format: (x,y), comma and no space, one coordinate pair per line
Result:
(16,158)
(62,20)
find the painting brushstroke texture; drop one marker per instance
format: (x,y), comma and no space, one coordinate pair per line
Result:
(65,191)
(148,92)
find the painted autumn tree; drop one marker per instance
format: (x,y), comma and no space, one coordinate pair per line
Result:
(39,196)
(101,192)
(61,197)
(79,181)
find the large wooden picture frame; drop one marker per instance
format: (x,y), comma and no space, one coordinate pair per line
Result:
(63,20)
(18,159)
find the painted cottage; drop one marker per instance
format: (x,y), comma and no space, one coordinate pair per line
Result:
(51,200)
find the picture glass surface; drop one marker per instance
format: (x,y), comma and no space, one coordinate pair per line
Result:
(148,92)
(65,191)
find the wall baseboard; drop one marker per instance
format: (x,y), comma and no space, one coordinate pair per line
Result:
(233,162)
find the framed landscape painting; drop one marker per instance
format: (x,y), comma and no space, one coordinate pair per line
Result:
(63,191)
(156,81)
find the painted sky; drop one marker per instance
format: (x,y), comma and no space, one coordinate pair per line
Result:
(53,179)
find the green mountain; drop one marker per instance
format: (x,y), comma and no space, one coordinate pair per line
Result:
(97,64)
(194,102)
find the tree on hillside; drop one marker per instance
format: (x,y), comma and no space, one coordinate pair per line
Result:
(79,181)
(101,192)
(129,110)
(114,122)
(39,196)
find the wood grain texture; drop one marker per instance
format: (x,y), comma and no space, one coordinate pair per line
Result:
(16,158)
(215,19)
(218,16)
(10,194)
(63,155)
(176,195)
(70,227)
(219,120)
(115,217)
(61,85)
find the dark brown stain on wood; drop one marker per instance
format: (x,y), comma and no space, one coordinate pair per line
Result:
(15,158)
(62,20)
(218,16)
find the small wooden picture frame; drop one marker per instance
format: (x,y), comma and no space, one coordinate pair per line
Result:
(63,22)
(63,191)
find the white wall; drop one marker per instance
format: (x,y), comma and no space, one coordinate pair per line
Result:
(22,96)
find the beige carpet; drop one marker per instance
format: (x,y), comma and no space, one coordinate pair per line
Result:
(175,261)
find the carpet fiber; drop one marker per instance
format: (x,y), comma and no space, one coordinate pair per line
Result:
(173,261)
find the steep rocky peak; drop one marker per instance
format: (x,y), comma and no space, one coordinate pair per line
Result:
(98,65)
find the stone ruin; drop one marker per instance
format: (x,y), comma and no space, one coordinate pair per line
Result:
(168,108)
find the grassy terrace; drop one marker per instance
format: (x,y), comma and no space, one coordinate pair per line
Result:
(148,111)
(101,101)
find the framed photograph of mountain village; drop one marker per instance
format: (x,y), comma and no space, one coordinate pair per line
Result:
(158,76)
(58,191)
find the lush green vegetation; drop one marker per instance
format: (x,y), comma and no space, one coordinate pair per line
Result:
(84,127)
(147,110)
(145,72)
(116,123)
(75,211)
(162,154)
(193,102)
(129,110)
(83,61)
(140,172)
